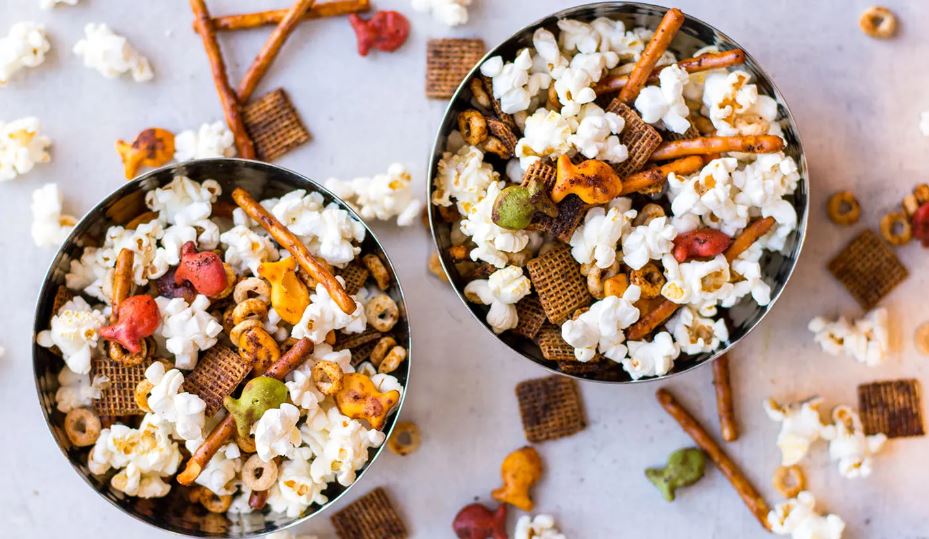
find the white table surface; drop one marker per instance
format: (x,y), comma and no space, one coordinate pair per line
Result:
(856,101)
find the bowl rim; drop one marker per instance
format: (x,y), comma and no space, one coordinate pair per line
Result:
(134,185)
(437,149)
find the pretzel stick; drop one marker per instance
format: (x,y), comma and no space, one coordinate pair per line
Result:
(749,235)
(225,429)
(271,48)
(753,500)
(258,499)
(275,16)
(651,320)
(122,281)
(203,25)
(704,62)
(657,45)
(645,179)
(674,149)
(316,269)
(724,408)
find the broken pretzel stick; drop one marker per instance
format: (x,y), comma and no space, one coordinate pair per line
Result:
(204,26)
(749,235)
(226,428)
(753,500)
(317,270)
(122,281)
(651,320)
(727,424)
(275,16)
(674,149)
(704,62)
(654,49)
(271,48)
(640,181)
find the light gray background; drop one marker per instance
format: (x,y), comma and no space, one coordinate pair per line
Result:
(856,101)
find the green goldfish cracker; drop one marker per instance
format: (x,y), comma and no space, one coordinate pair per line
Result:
(516,205)
(258,396)
(685,467)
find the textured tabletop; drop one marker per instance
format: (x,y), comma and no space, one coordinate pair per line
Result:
(857,104)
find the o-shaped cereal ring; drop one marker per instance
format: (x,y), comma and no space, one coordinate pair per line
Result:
(252,308)
(843,208)
(789,480)
(253,287)
(327,375)
(82,427)
(878,22)
(896,228)
(382,313)
(405,438)
(394,358)
(259,475)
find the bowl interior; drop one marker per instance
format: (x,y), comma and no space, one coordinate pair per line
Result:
(172,512)
(694,35)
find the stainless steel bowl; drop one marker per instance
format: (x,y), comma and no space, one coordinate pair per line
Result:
(173,513)
(694,34)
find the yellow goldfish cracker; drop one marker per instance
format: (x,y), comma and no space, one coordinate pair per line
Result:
(289,296)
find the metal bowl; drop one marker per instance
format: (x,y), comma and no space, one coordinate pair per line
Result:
(173,512)
(694,34)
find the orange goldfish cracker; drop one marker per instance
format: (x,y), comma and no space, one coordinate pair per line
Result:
(289,296)
(360,399)
(259,348)
(520,470)
(595,182)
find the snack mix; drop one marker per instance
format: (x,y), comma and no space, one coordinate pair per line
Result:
(173,311)
(669,194)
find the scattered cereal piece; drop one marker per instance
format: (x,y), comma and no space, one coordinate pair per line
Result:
(798,518)
(866,339)
(557,279)
(868,269)
(849,445)
(435,267)
(25,46)
(448,61)
(800,427)
(111,54)
(843,208)
(537,527)
(685,467)
(274,125)
(520,470)
(896,229)
(216,376)
(878,22)
(893,408)
(405,438)
(550,408)
(789,481)
(448,12)
(476,521)
(371,516)
(49,226)
(22,146)
(639,137)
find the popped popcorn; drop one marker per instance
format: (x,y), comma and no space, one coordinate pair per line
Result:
(144,456)
(276,433)
(91,273)
(220,472)
(183,411)
(595,241)
(501,291)
(800,427)
(492,241)
(698,282)
(76,390)
(574,89)
(187,329)
(323,315)
(300,384)
(537,527)
(247,249)
(210,140)
(383,196)
(798,518)
(646,242)
(24,46)
(866,339)
(628,45)
(546,133)
(448,12)
(849,445)
(596,135)
(735,106)
(74,331)
(512,83)
(340,445)
(653,358)
(602,327)
(49,4)
(665,103)
(335,236)
(710,194)
(22,146)
(111,54)
(50,227)
(696,334)
(150,262)
(464,176)
(295,489)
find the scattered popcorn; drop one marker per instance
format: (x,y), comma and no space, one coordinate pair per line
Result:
(865,339)
(383,196)
(49,4)
(651,241)
(187,329)
(546,133)
(602,327)
(22,147)
(74,331)
(211,140)
(221,471)
(323,315)
(182,410)
(665,103)
(653,358)
(537,527)
(798,518)
(111,54)
(295,489)
(340,445)
(849,445)
(25,46)
(596,135)
(464,176)
(448,12)
(800,427)
(144,456)
(50,227)
(595,241)
(276,433)
(735,106)
(76,390)
(492,241)
(696,334)
(502,290)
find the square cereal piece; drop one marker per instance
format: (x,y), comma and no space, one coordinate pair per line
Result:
(868,268)
(274,125)
(371,516)
(118,397)
(640,138)
(359,344)
(553,347)
(217,374)
(531,317)
(892,407)
(571,212)
(355,275)
(543,172)
(448,61)
(550,408)
(557,279)
(62,296)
